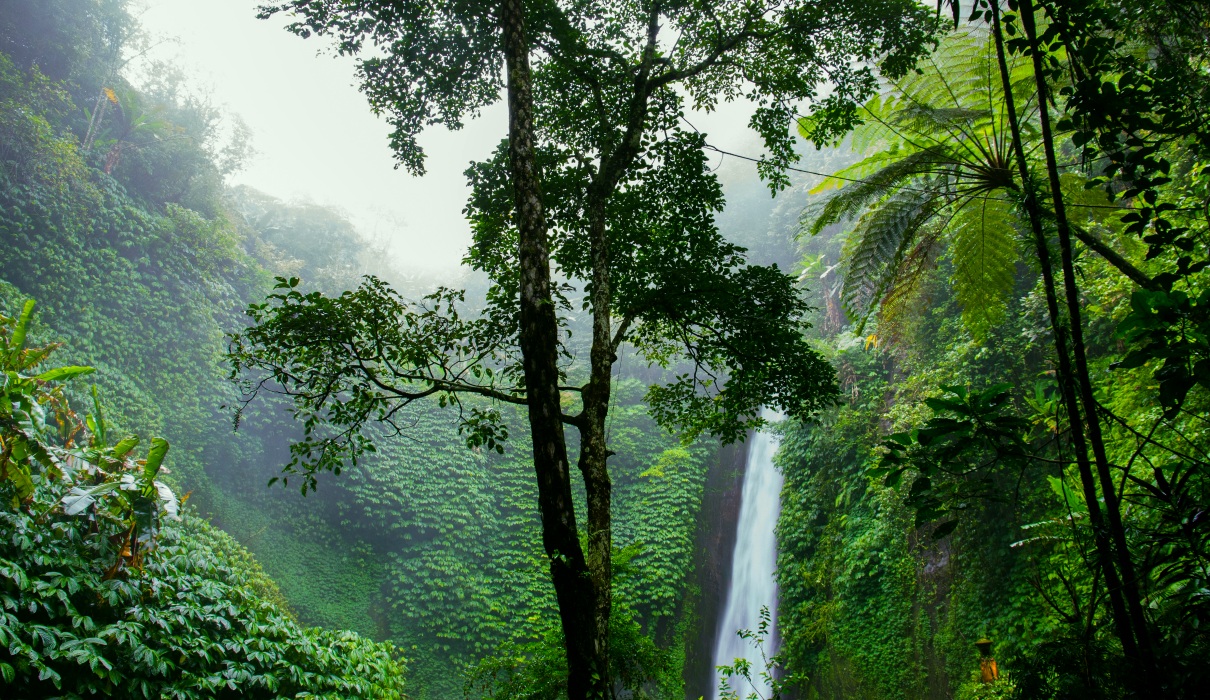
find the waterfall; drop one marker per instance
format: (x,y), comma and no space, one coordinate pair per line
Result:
(753,562)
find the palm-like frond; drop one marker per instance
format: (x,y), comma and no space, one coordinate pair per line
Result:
(935,143)
(854,198)
(984,251)
(923,119)
(877,246)
(901,301)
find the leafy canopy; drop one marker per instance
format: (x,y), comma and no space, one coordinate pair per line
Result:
(427,63)
(612,86)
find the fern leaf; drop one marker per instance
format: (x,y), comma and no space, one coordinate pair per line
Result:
(858,171)
(877,245)
(902,300)
(852,199)
(985,255)
(932,120)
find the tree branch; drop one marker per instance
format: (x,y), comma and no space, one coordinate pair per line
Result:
(1111,256)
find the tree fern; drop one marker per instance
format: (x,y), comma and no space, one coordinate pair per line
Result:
(938,172)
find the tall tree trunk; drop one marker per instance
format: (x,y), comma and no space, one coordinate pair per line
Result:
(587,665)
(594,452)
(1113,511)
(1122,622)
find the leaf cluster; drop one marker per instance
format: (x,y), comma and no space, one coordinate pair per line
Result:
(938,173)
(360,358)
(953,452)
(1172,329)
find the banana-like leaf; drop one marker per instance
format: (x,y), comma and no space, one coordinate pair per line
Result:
(21,481)
(64,373)
(96,422)
(168,500)
(34,356)
(81,498)
(155,458)
(124,446)
(17,343)
(39,451)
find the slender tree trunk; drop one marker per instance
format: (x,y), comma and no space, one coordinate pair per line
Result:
(1130,583)
(1111,256)
(574,587)
(1122,623)
(594,452)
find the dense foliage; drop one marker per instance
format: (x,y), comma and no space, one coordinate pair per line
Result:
(1016,277)
(105,591)
(1019,220)
(612,189)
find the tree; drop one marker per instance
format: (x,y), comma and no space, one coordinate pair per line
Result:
(601,178)
(941,172)
(1127,81)
(1128,103)
(944,175)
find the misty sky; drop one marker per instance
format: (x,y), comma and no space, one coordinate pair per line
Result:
(316,139)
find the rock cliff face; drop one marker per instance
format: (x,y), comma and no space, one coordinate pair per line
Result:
(714,546)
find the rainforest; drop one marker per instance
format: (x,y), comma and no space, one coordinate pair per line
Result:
(605,349)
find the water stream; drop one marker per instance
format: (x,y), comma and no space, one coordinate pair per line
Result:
(752,565)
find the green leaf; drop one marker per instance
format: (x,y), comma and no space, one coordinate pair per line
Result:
(1066,495)
(877,246)
(17,343)
(155,458)
(22,482)
(64,373)
(985,263)
(124,446)
(81,498)
(96,423)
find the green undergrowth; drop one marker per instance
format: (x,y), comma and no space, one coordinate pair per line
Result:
(107,591)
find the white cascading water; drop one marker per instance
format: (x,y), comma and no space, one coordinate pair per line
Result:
(753,563)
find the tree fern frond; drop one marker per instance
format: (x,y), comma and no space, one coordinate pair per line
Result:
(958,68)
(935,143)
(877,245)
(925,119)
(984,250)
(901,302)
(855,197)
(858,171)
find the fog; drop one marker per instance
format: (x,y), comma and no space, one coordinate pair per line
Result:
(313,131)
(315,138)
